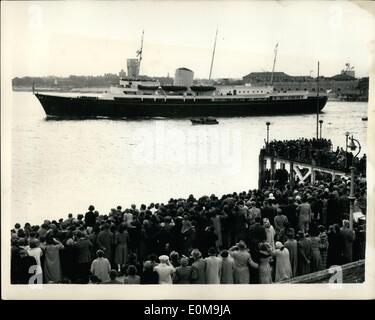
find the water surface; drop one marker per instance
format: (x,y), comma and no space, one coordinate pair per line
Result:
(60,167)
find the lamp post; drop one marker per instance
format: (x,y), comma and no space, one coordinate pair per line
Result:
(317,104)
(346,149)
(320,123)
(351,197)
(352,147)
(268,131)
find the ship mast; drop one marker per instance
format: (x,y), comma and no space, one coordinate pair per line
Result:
(139,53)
(213,55)
(274,62)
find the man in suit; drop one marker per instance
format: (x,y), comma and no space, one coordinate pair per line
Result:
(104,241)
(304,215)
(84,257)
(348,237)
(304,254)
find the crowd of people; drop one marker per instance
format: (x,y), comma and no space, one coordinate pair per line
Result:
(318,152)
(255,236)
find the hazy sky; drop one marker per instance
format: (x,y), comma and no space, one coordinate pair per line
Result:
(91,38)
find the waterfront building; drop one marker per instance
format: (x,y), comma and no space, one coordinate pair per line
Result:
(341,86)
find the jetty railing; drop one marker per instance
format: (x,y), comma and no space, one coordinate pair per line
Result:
(353,272)
(273,168)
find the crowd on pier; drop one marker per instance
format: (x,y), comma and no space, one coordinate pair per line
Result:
(317,152)
(255,236)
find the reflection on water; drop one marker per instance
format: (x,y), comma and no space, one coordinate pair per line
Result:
(63,166)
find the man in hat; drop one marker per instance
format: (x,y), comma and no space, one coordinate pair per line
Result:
(348,237)
(242,260)
(270,233)
(304,215)
(253,212)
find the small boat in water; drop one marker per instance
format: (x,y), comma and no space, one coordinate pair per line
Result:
(364,118)
(204,120)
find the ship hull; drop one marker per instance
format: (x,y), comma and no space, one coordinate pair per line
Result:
(89,107)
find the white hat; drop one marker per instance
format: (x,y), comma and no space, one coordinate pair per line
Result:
(278,245)
(163,258)
(271,196)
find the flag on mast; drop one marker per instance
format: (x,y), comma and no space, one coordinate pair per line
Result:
(139,52)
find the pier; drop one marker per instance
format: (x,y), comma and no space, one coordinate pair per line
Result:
(295,171)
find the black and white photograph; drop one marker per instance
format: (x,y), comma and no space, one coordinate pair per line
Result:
(191,149)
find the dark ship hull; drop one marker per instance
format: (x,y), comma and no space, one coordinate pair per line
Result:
(127,107)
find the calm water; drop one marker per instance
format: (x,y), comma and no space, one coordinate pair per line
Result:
(63,166)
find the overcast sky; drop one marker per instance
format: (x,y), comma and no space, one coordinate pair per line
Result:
(92,38)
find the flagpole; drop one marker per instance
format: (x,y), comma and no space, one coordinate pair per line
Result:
(274,62)
(213,55)
(139,52)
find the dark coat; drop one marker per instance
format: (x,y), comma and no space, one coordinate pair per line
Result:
(335,249)
(291,213)
(268,212)
(90,219)
(84,250)
(333,211)
(149,277)
(198,275)
(257,234)
(304,256)
(348,237)
(104,241)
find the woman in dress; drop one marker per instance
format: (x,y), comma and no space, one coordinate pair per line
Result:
(264,268)
(121,252)
(183,272)
(52,265)
(242,259)
(36,252)
(283,267)
(323,246)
